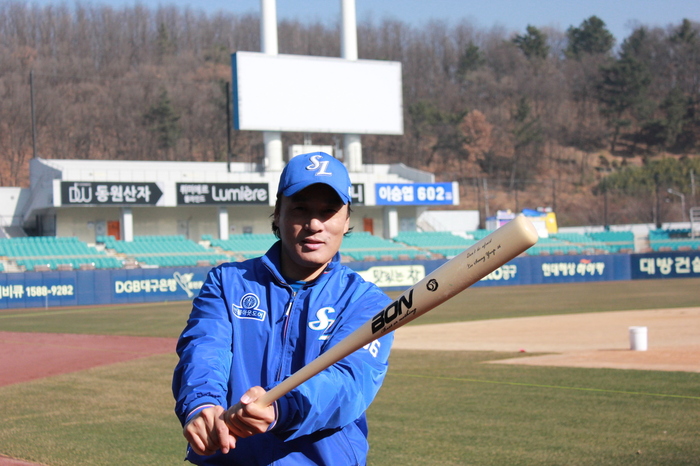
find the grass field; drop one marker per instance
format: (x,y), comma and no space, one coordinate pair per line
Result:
(436,408)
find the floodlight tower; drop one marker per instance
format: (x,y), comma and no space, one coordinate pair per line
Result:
(352,144)
(269,45)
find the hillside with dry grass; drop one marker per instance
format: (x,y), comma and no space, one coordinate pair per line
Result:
(601,129)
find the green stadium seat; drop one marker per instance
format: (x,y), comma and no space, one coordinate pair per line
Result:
(51,252)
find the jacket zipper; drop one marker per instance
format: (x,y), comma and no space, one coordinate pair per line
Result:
(287,319)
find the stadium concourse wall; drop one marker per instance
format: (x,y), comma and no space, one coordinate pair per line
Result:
(124,286)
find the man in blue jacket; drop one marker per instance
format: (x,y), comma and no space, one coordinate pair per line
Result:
(256,322)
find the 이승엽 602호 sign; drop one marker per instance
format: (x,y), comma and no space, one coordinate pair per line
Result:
(109,193)
(222,193)
(417,194)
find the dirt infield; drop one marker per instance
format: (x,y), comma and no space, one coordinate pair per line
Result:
(29,356)
(7,461)
(579,340)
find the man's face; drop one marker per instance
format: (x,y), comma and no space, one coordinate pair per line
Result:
(311,226)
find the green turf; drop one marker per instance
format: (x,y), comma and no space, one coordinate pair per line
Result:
(118,414)
(147,320)
(536,300)
(436,408)
(168,319)
(440,408)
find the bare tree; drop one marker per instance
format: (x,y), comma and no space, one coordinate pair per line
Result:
(99,69)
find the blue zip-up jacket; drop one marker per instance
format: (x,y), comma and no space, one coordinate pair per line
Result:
(248,327)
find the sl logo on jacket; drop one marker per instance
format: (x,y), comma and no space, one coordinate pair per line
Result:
(323,323)
(248,308)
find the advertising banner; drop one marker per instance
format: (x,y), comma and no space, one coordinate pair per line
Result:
(109,193)
(681,264)
(400,275)
(357,195)
(579,268)
(38,289)
(94,287)
(157,285)
(121,286)
(416,193)
(222,193)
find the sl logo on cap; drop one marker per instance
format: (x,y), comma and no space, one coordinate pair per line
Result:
(317,163)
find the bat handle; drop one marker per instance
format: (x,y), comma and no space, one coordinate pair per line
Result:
(344,348)
(272,395)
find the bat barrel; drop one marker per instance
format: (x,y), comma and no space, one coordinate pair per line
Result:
(467,268)
(451,278)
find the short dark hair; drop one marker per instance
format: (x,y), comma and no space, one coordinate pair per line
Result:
(276,229)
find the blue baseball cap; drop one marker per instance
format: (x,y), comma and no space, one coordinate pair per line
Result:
(316,167)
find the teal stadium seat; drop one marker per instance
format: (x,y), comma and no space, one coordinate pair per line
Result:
(54,252)
(246,246)
(166,251)
(673,240)
(362,246)
(615,241)
(442,243)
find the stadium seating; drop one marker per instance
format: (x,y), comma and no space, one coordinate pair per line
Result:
(245,246)
(573,243)
(441,243)
(672,240)
(362,245)
(479,234)
(69,253)
(53,253)
(608,242)
(449,244)
(615,241)
(165,251)
(357,246)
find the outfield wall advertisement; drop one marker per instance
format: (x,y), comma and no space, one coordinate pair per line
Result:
(95,287)
(123,286)
(665,265)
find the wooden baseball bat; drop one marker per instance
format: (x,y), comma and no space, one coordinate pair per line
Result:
(454,276)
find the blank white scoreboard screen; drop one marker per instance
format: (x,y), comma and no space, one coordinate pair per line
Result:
(295,93)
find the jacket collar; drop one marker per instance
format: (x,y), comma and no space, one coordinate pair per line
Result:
(271,259)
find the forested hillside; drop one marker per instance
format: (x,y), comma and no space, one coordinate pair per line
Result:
(602,129)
